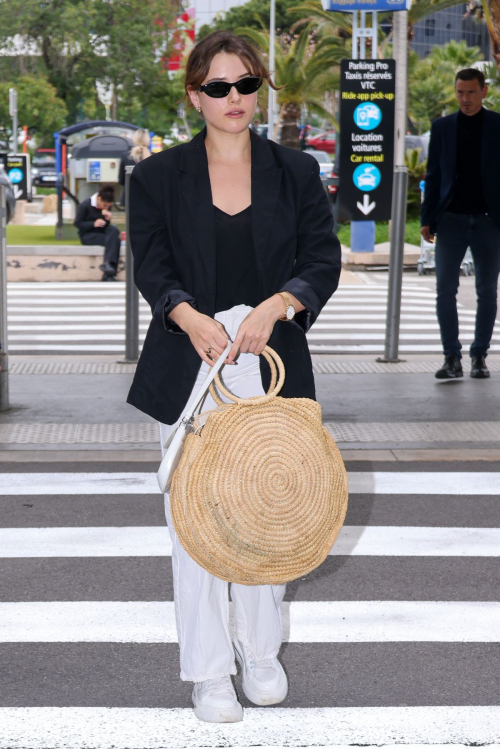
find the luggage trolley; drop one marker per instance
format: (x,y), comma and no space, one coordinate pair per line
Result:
(427,262)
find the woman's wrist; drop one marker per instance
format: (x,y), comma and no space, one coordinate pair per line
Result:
(182,314)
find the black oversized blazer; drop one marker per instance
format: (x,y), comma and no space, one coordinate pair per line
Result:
(173,243)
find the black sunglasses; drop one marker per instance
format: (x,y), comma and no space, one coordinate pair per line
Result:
(220,89)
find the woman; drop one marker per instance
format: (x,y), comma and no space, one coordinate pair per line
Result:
(232,237)
(138,152)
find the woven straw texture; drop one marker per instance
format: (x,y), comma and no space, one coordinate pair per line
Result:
(260,494)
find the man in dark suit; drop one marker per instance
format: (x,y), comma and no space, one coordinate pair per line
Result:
(462,208)
(93,221)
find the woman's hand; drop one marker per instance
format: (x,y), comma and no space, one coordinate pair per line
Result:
(203,332)
(255,330)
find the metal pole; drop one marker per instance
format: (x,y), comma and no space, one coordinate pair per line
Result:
(362,38)
(271,103)
(4,349)
(131,291)
(374,35)
(59,190)
(399,190)
(355,35)
(13,114)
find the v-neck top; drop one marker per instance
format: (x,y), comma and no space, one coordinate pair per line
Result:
(236,265)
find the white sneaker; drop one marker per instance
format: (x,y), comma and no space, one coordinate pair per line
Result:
(215,701)
(264,682)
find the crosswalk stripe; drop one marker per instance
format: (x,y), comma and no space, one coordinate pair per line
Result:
(349,317)
(360,482)
(159,728)
(303,621)
(154,541)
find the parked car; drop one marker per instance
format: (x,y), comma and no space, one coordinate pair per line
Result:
(323,141)
(43,168)
(324,160)
(327,173)
(9,194)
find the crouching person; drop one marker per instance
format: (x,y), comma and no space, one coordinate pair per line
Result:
(93,221)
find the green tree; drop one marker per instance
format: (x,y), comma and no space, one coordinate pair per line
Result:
(252,15)
(39,107)
(306,69)
(75,43)
(340,24)
(432,81)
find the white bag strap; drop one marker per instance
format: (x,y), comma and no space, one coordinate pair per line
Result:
(195,401)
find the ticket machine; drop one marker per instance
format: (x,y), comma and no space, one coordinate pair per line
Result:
(94,162)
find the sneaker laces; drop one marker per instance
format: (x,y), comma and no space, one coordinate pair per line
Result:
(218,686)
(253,663)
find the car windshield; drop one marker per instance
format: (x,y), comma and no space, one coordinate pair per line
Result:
(320,156)
(44,159)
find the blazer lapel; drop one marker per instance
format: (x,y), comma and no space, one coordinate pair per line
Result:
(197,193)
(266,182)
(452,142)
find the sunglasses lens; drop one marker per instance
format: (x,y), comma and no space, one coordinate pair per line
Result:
(216,89)
(248,85)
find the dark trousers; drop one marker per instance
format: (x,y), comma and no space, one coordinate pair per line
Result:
(110,239)
(455,232)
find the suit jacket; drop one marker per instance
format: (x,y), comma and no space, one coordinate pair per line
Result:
(442,167)
(173,242)
(86,214)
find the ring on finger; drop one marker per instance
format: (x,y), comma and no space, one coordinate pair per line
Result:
(208,351)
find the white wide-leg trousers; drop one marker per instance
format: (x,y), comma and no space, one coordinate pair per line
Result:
(201,600)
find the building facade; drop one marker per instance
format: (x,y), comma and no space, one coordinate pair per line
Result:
(441,27)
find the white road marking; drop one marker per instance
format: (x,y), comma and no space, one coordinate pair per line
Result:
(360,482)
(154,541)
(163,728)
(303,621)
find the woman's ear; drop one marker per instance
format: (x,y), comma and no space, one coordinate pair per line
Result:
(195,99)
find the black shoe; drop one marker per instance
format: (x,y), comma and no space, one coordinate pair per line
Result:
(107,277)
(478,368)
(107,268)
(451,369)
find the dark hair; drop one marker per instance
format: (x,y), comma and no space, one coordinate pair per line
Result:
(203,53)
(470,74)
(107,193)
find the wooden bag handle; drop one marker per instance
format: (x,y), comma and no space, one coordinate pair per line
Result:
(277,368)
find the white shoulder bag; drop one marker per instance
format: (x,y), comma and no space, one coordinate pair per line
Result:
(175,441)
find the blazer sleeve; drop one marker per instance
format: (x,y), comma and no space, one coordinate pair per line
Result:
(154,269)
(432,190)
(82,223)
(318,258)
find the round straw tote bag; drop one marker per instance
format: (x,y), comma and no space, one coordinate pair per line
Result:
(260,492)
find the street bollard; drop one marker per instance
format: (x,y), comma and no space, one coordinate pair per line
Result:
(399,197)
(4,355)
(131,291)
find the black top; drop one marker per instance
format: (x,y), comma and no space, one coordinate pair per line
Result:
(236,280)
(86,215)
(468,195)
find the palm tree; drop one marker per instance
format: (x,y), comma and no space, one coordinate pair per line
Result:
(488,11)
(340,24)
(305,70)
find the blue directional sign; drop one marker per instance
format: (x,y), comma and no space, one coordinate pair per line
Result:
(348,6)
